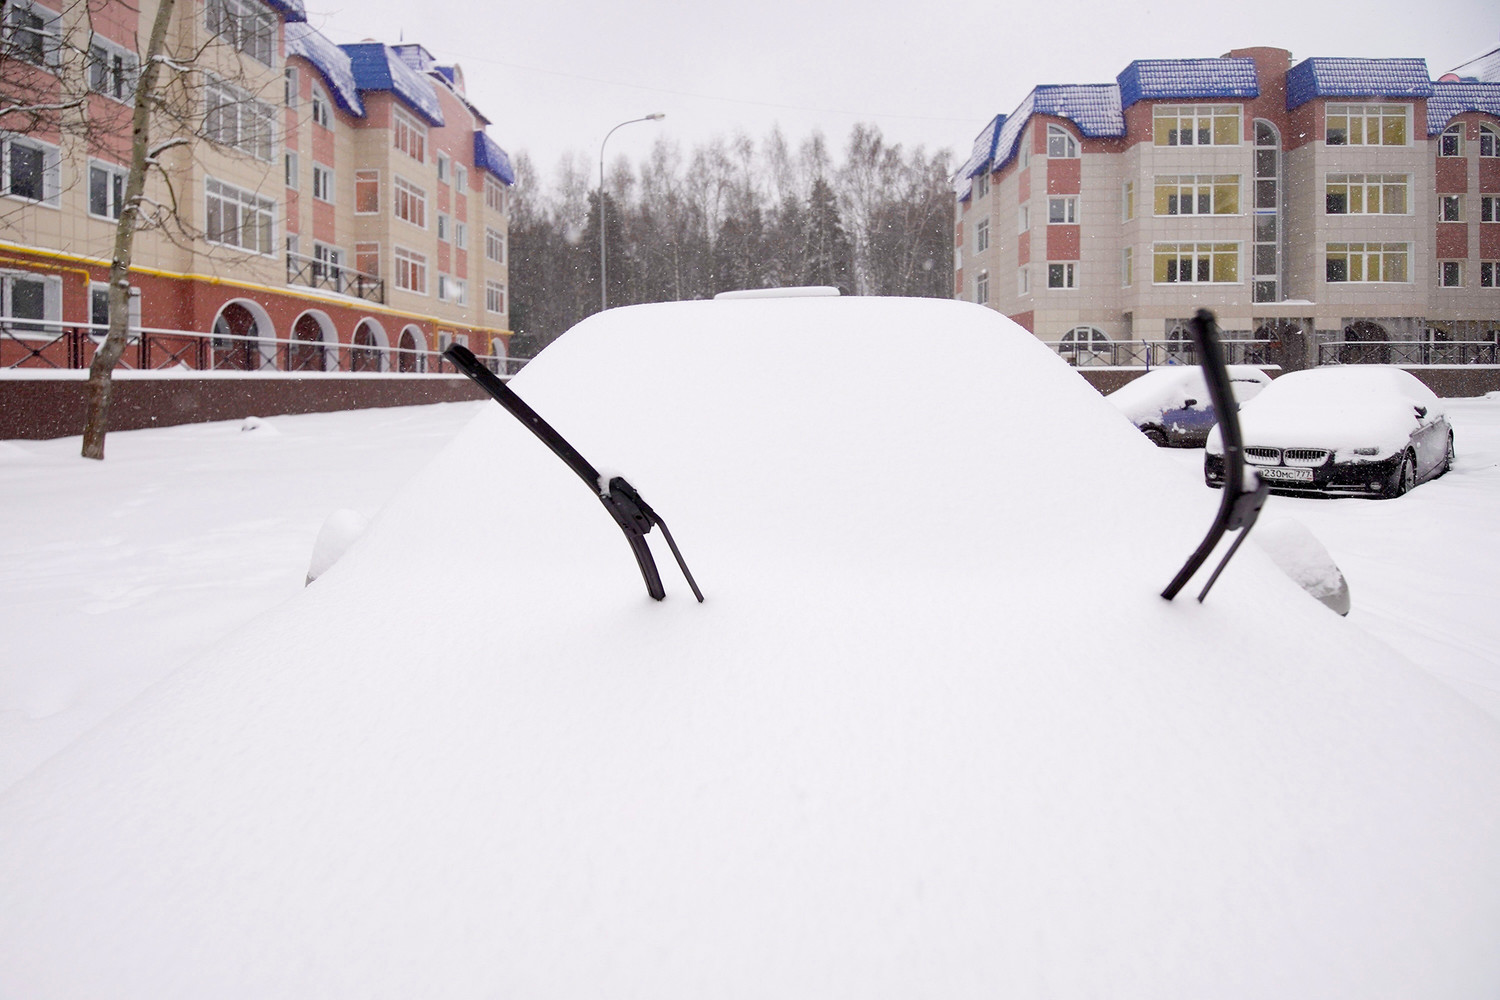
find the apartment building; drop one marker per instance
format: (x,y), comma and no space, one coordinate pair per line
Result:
(337,197)
(1334,199)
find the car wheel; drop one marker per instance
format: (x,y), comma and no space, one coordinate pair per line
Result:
(1155,436)
(1449,457)
(1404,478)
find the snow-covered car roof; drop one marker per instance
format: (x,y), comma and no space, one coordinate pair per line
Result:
(1144,398)
(932,731)
(1336,407)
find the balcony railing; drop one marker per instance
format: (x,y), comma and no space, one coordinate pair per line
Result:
(315,273)
(36,344)
(1409,352)
(1156,353)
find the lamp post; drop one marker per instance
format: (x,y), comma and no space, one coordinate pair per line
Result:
(603,272)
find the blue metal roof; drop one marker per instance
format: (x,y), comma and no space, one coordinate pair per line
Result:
(982,158)
(1093,107)
(290,10)
(332,62)
(1340,77)
(1449,99)
(1187,80)
(376,67)
(489,156)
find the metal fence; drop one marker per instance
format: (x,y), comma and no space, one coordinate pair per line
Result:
(1408,352)
(315,273)
(1156,353)
(36,344)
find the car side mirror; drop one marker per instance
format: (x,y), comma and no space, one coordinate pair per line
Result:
(1189,402)
(1421,411)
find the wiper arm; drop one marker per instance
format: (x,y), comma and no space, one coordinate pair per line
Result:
(1239,507)
(634,516)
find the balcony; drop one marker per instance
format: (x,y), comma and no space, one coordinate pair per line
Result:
(314,273)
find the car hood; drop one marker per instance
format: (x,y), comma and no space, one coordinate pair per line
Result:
(933,729)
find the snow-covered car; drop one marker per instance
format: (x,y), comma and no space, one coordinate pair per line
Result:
(933,729)
(1363,430)
(1171,405)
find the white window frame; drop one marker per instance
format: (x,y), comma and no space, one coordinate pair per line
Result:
(234,119)
(454,290)
(323,183)
(982,287)
(1190,190)
(460,177)
(1365,114)
(981,235)
(1363,190)
(408,134)
(112,70)
(1489,140)
(1489,208)
(461,235)
(494,297)
(1451,141)
(1167,124)
(114,190)
(1061,144)
(494,245)
(1198,252)
(410,266)
(494,194)
(248,26)
(292,91)
(442,167)
(1450,273)
(1023,281)
(48,34)
(1450,208)
(363,177)
(444,227)
(1489,274)
(322,107)
(1065,206)
(1127,201)
(293,171)
(1023,219)
(1127,267)
(259,208)
(51,178)
(1062,275)
(982,184)
(1386,254)
(408,200)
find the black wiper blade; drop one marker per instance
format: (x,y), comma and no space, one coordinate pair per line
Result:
(1239,507)
(634,516)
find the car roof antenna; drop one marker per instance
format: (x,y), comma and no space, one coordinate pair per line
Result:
(1239,506)
(634,516)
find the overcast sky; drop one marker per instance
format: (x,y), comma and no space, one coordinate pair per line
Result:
(555,75)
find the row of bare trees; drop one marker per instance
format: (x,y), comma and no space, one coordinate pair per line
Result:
(731,215)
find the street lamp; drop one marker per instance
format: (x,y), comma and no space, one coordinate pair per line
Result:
(603,274)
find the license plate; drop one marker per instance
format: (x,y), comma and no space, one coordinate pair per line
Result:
(1284,474)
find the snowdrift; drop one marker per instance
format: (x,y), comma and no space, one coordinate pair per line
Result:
(933,732)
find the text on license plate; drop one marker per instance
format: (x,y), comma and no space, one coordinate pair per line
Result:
(1286,475)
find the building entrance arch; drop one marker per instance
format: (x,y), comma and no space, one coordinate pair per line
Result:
(237,333)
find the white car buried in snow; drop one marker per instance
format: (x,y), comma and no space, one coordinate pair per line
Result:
(933,731)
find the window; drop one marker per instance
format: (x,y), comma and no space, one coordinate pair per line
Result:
(31,34)
(1489,274)
(99,309)
(494,246)
(322,111)
(1367,262)
(1366,194)
(366,192)
(1489,141)
(233,118)
(461,235)
(1178,263)
(293,86)
(982,185)
(106,190)
(411,271)
(409,135)
(1489,208)
(1127,267)
(494,195)
(246,25)
(29,169)
(411,203)
(1023,281)
(367,258)
(1451,273)
(1023,221)
(982,287)
(1060,143)
(1025,150)
(1127,201)
(1062,211)
(1196,125)
(293,171)
(112,70)
(30,297)
(982,236)
(443,225)
(442,167)
(1450,208)
(1366,125)
(494,297)
(327,263)
(1451,142)
(238,218)
(1198,194)
(460,177)
(1062,276)
(322,183)
(451,289)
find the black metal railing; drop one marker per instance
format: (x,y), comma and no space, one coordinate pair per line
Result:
(1408,352)
(1156,353)
(315,273)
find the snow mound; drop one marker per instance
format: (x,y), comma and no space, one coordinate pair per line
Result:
(341,530)
(259,425)
(1303,558)
(932,732)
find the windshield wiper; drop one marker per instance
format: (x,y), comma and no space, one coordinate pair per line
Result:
(1239,507)
(634,516)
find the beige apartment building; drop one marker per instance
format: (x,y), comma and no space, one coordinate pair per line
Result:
(325,199)
(1330,201)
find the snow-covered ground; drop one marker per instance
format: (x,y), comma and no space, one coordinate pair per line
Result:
(113,574)
(933,731)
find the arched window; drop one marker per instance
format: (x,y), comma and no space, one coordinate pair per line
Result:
(366,354)
(410,358)
(1489,140)
(1060,143)
(1083,339)
(1451,142)
(234,341)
